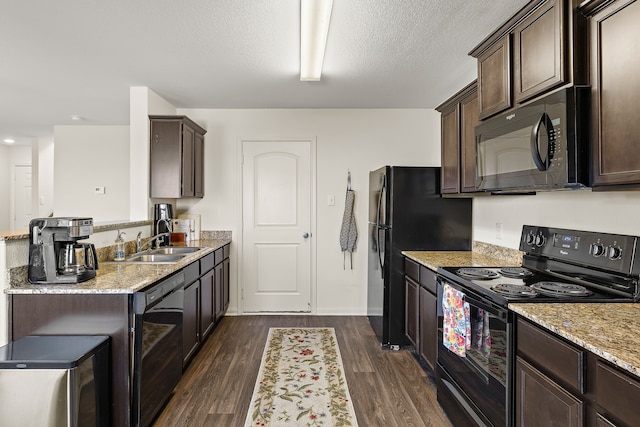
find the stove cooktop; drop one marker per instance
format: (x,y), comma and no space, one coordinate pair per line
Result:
(518,284)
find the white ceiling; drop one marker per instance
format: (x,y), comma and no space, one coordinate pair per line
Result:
(69,57)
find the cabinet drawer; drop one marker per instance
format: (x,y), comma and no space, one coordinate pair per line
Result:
(226,251)
(191,272)
(206,263)
(618,393)
(412,269)
(428,279)
(562,360)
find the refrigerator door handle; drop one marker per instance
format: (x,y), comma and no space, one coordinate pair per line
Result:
(380,257)
(383,189)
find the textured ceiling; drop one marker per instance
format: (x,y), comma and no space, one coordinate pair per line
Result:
(70,57)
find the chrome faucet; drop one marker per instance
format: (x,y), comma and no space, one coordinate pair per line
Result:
(140,246)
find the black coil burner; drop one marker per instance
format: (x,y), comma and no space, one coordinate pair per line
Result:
(477,273)
(515,272)
(511,290)
(561,290)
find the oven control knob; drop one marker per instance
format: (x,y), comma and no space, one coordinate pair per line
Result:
(597,249)
(615,252)
(540,240)
(530,239)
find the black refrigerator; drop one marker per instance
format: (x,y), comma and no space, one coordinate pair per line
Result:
(407,213)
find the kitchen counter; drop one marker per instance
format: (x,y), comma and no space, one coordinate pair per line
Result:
(608,330)
(437,259)
(115,277)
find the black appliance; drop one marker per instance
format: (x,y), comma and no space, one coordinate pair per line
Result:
(559,265)
(406,212)
(157,355)
(542,145)
(162,216)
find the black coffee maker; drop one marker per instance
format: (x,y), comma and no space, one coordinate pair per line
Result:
(162,216)
(55,256)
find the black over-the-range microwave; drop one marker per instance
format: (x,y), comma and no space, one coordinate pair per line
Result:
(543,145)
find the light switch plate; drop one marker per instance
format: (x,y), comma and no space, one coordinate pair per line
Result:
(331,200)
(98,190)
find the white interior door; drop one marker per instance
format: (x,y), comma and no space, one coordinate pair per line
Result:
(21,213)
(276,210)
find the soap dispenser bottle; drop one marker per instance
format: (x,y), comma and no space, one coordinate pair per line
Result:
(119,247)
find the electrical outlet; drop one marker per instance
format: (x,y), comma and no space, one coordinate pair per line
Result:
(499,230)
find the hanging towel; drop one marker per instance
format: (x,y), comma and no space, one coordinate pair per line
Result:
(348,232)
(456,326)
(481,333)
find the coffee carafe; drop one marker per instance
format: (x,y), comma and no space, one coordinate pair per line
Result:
(56,256)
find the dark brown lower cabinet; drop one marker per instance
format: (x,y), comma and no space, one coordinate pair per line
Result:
(219,291)
(541,402)
(561,384)
(207,318)
(428,338)
(411,311)
(191,332)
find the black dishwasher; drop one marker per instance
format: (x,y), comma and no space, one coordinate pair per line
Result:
(157,355)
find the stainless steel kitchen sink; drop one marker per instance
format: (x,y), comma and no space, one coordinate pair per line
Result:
(148,258)
(171,250)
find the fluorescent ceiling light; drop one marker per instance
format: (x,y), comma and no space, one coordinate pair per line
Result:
(9,141)
(314,28)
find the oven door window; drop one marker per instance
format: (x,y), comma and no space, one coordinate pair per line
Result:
(482,373)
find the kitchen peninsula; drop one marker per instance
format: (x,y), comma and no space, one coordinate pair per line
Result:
(109,304)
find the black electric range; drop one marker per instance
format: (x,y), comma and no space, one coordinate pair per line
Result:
(559,266)
(475,376)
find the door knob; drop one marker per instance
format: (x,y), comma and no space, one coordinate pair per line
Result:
(305,235)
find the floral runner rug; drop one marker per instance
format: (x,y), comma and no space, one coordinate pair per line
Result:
(301,381)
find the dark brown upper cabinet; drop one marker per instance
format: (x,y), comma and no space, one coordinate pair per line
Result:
(615,90)
(176,159)
(542,47)
(459,117)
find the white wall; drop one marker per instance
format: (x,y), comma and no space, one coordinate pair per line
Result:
(358,140)
(608,212)
(5,174)
(43,151)
(86,157)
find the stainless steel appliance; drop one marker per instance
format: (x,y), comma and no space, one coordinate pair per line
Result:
(542,145)
(559,265)
(157,355)
(55,381)
(406,212)
(56,256)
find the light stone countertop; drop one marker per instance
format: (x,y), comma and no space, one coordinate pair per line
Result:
(115,277)
(437,259)
(609,330)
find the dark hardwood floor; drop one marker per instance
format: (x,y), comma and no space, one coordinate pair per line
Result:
(388,388)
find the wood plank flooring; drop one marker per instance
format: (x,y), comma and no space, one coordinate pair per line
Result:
(388,388)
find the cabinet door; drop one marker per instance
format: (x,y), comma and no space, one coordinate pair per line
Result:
(191,337)
(164,162)
(219,291)
(494,78)
(428,328)
(540,402)
(450,137)
(206,304)
(538,51)
(468,122)
(225,285)
(615,83)
(188,148)
(198,165)
(411,311)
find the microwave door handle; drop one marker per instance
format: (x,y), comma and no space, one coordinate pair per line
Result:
(535,150)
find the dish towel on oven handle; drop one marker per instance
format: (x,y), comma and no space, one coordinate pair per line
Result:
(456,325)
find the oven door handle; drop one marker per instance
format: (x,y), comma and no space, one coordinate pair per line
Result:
(489,308)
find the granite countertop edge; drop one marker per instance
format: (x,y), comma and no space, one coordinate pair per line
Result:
(117,277)
(436,259)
